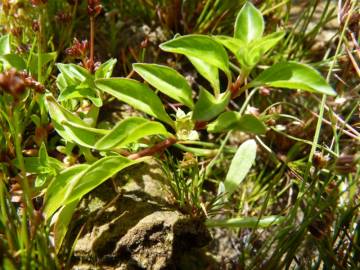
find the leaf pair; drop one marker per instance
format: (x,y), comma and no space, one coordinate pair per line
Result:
(71,184)
(75,82)
(204,53)
(74,129)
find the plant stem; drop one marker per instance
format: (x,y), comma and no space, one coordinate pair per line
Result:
(154,149)
(92,36)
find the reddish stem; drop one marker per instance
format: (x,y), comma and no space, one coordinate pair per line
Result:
(154,149)
(92,37)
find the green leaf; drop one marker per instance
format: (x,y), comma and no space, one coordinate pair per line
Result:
(74,74)
(128,131)
(201,47)
(136,94)
(81,91)
(249,54)
(245,222)
(208,107)
(46,58)
(62,221)
(167,81)
(56,191)
(5,47)
(234,121)
(79,132)
(266,43)
(14,61)
(232,44)
(240,166)
(105,69)
(43,155)
(294,76)
(209,72)
(95,175)
(249,23)
(33,165)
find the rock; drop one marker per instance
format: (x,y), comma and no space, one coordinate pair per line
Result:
(140,229)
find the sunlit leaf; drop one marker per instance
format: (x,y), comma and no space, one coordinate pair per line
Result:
(105,69)
(56,191)
(136,94)
(201,47)
(78,132)
(209,72)
(5,47)
(167,81)
(128,131)
(72,92)
(249,23)
(95,175)
(294,76)
(62,221)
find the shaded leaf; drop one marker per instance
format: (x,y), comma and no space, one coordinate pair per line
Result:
(240,166)
(46,58)
(245,222)
(167,81)
(136,94)
(234,121)
(208,107)
(14,61)
(294,76)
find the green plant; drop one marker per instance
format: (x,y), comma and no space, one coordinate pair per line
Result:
(77,84)
(173,117)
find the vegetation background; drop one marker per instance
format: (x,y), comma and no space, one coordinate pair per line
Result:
(297,207)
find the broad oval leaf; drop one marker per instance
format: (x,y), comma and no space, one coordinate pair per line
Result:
(240,166)
(136,94)
(208,106)
(234,121)
(249,23)
(128,131)
(71,127)
(201,47)
(167,81)
(294,76)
